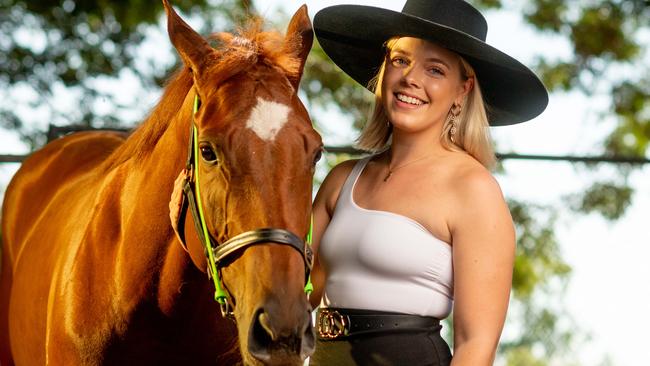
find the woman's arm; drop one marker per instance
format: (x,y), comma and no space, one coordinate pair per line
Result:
(323,209)
(483,257)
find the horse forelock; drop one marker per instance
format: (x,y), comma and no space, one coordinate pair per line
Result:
(252,45)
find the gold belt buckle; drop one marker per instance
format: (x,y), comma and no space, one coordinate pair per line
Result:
(332,324)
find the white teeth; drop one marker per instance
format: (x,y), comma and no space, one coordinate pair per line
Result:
(409,100)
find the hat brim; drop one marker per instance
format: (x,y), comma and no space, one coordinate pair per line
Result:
(353,36)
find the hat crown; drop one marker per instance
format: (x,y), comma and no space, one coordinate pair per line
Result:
(456,14)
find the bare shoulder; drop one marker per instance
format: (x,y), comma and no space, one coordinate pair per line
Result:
(480,217)
(475,190)
(329,190)
(473,181)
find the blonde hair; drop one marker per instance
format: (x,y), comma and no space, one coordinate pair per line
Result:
(472,126)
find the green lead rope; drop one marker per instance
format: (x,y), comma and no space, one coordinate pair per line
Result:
(309,287)
(220,295)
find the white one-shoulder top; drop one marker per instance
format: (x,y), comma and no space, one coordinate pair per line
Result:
(378,260)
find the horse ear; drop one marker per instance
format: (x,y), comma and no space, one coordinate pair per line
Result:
(193,49)
(299,38)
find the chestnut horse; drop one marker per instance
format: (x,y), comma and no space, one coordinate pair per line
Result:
(92,272)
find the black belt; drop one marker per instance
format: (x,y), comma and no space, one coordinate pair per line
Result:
(333,323)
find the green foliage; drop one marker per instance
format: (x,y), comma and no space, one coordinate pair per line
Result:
(601,33)
(604,36)
(606,40)
(631,136)
(607,198)
(325,86)
(47,46)
(558,75)
(538,259)
(539,276)
(523,356)
(487,4)
(547,14)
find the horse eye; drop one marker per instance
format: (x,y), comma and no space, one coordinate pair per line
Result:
(318,156)
(208,154)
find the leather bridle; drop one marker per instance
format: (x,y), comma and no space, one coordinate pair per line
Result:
(216,253)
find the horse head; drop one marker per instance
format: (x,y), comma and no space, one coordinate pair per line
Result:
(255,161)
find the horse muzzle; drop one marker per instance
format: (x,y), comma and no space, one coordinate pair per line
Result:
(281,336)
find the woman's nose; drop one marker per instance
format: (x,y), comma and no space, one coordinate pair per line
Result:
(411,76)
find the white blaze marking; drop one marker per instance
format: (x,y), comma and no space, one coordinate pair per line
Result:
(267,119)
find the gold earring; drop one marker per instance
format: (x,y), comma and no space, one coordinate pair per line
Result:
(454,113)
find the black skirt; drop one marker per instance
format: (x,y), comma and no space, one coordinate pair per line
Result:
(386,348)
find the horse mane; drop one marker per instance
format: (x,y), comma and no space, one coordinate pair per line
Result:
(256,45)
(238,52)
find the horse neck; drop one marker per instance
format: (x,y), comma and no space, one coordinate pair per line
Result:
(152,174)
(148,232)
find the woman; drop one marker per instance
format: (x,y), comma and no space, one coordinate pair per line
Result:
(420,225)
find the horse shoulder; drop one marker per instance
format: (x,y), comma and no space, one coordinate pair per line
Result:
(87,306)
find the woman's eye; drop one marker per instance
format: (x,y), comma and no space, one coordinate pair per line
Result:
(208,154)
(398,61)
(436,71)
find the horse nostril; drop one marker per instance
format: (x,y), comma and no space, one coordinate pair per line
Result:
(260,336)
(307,343)
(264,321)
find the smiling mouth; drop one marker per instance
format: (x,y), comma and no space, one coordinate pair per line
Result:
(409,100)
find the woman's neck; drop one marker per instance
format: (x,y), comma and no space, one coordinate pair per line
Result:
(408,147)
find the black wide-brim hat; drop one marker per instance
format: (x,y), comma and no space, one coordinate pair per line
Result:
(353,36)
